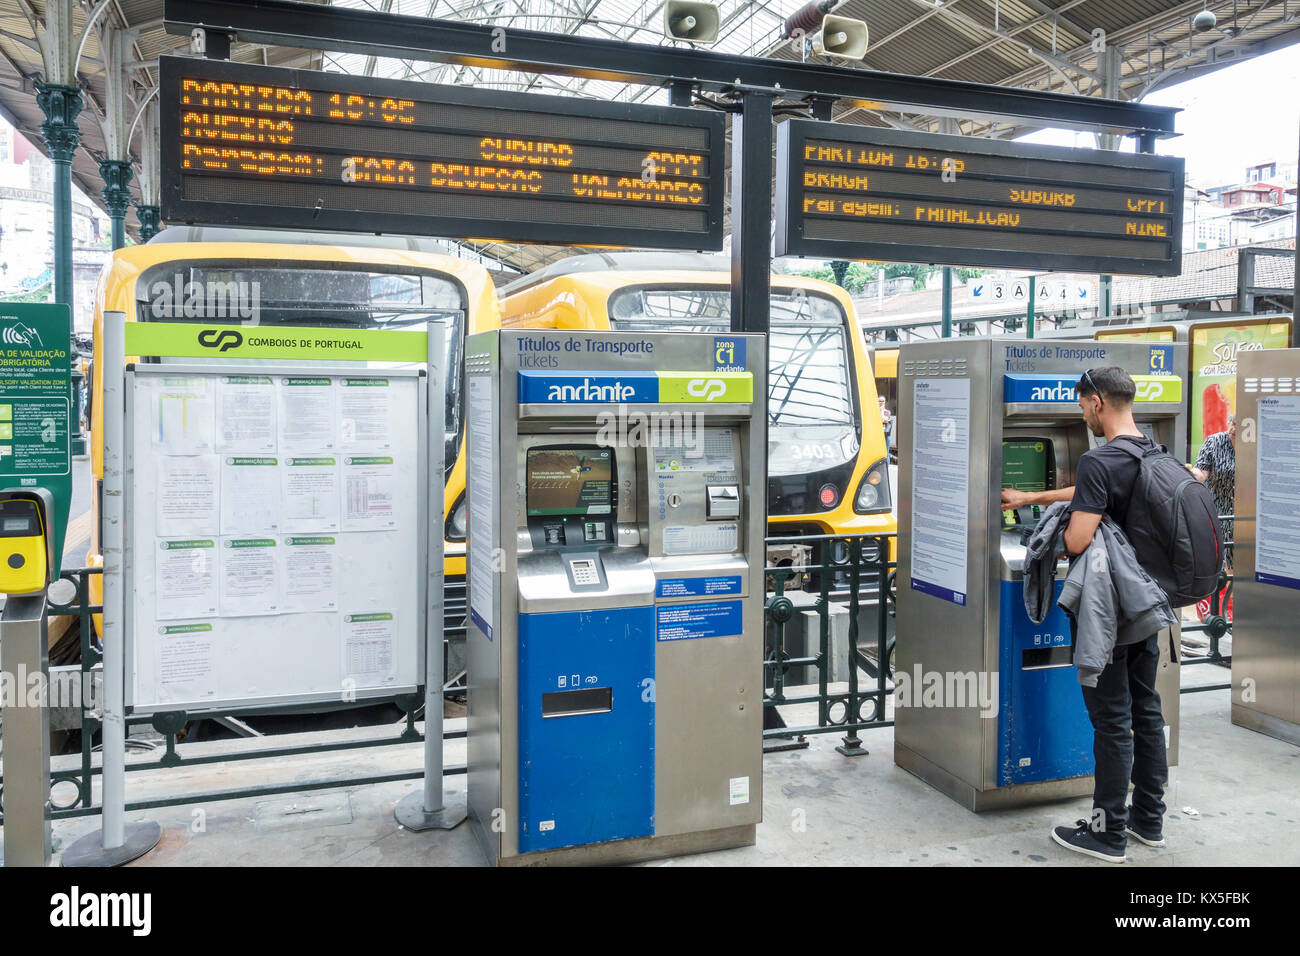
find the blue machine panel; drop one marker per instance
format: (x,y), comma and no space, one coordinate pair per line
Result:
(1043,727)
(586,727)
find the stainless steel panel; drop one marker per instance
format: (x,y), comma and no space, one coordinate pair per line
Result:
(1265,640)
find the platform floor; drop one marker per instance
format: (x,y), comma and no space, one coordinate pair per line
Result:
(1234,800)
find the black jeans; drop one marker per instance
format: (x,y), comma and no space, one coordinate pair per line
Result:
(1128,742)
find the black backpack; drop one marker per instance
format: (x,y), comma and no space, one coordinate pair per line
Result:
(1173,525)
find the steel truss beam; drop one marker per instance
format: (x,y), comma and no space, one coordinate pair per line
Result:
(310,26)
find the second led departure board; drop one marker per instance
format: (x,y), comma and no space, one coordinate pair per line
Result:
(850,192)
(250,145)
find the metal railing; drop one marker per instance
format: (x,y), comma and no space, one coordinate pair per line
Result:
(858,573)
(829,642)
(1215,624)
(171,725)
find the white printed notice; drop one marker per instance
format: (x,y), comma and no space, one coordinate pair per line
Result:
(185,578)
(311,494)
(701,539)
(940,486)
(249,578)
(368,648)
(186,499)
(185,663)
(713,453)
(480,434)
(183,415)
(309,573)
(365,414)
(307,414)
(1277,495)
(250,494)
(368,488)
(246,414)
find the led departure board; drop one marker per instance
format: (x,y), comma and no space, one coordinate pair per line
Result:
(250,145)
(846,192)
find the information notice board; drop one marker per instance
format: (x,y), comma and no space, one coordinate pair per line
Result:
(275,539)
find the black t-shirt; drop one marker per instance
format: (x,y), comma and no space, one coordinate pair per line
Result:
(1104,480)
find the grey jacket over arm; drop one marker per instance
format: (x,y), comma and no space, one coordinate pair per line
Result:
(1112,600)
(1047,541)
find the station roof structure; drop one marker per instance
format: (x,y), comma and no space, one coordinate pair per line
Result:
(1048,45)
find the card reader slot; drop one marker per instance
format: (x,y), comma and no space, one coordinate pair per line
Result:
(1038,658)
(571,703)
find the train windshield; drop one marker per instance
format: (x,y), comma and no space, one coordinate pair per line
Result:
(266,293)
(812,413)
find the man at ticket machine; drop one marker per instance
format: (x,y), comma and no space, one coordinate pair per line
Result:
(1124,706)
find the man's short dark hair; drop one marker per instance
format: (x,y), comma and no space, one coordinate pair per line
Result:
(1114,384)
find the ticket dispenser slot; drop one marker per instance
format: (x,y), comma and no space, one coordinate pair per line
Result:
(26,545)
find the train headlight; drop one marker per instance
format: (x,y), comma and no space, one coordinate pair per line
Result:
(873,492)
(458,520)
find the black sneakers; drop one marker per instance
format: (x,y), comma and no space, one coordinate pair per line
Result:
(1150,839)
(1081,839)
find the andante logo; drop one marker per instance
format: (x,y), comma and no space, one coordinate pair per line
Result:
(1060,392)
(221,339)
(76,909)
(591,392)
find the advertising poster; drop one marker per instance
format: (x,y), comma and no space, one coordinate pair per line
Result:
(1214,350)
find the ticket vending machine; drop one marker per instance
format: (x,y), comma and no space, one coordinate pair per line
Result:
(616,523)
(988,705)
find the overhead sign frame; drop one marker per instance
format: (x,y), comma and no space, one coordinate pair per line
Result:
(636,175)
(947,200)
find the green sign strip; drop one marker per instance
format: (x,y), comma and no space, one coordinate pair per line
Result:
(201,340)
(702,387)
(36,406)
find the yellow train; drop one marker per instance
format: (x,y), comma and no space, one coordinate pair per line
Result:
(303,279)
(827,464)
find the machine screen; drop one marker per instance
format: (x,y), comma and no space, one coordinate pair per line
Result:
(570,481)
(1026,466)
(16,524)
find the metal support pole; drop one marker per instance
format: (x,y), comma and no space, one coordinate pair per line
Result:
(751,213)
(1106,284)
(116,174)
(61,104)
(25,660)
(116,842)
(945,305)
(430,808)
(1029,309)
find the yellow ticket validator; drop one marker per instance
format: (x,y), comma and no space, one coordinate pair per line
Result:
(25,541)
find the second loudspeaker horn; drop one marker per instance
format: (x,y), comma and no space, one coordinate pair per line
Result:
(842,36)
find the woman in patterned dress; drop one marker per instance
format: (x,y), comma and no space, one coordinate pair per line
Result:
(1216,466)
